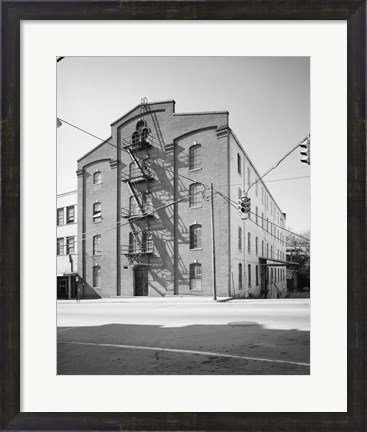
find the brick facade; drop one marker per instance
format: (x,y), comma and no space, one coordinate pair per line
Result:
(115,262)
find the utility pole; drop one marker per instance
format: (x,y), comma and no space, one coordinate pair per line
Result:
(213,243)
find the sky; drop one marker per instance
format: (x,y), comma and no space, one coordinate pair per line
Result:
(268,99)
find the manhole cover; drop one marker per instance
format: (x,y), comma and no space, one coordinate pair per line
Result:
(243,323)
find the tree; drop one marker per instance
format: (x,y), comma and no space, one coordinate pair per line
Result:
(298,251)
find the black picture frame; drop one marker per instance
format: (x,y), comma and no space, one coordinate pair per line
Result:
(12,12)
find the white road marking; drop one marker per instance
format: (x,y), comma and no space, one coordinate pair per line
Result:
(183,351)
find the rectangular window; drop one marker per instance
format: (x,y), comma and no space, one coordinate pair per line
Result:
(257,275)
(97,244)
(249,242)
(239,164)
(249,275)
(60,246)
(96,276)
(60,216)
(195,276)
(70,245)
(256,246)
(240,276)
(240,238)
(70,214)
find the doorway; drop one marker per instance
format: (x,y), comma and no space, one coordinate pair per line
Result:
(141,280)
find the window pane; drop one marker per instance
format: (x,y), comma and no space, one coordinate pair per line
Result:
(96,276)
(195,236)
(60,216)
(97,244)
(195,276)
(195,157)
(70,212)
(195,196)
(60,246)
(70,245)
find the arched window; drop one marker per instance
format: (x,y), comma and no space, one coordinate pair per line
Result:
(96,276)
(97,212)
(194,195)
(240,238)
(249,275)
(97,244)
(135,137)
(97,177)
(249,243)
(144,134)
(132,169)
(195,157)
(195,276)
(240,276)
(141,124)
(195,236)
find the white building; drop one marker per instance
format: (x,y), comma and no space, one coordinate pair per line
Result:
(66,245)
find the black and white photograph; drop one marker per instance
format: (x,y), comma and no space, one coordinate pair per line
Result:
(183,215)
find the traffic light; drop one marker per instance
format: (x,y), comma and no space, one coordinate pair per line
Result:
(306,151)
(244,204)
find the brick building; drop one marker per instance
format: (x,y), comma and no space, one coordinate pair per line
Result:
(144,224)
(66,245)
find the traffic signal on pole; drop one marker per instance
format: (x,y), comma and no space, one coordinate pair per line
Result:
(306,151)
(244,204)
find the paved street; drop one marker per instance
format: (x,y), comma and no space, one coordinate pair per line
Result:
(183,336)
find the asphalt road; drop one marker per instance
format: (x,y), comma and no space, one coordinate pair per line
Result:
(143,336)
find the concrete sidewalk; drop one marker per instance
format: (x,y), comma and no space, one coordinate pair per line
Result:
(145,299)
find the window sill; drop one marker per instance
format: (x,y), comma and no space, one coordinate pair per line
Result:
(97,221)
(97,255)
(197,249)
(195,169)
(195,207)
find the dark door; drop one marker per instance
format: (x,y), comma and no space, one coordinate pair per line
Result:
(62,287)
(141,281)
(264,287)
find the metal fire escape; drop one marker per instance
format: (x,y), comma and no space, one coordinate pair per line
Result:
(140,174)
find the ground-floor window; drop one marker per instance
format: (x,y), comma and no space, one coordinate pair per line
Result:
(240,276)
(195,276)
(257,275)
(96,276)
(249,274)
